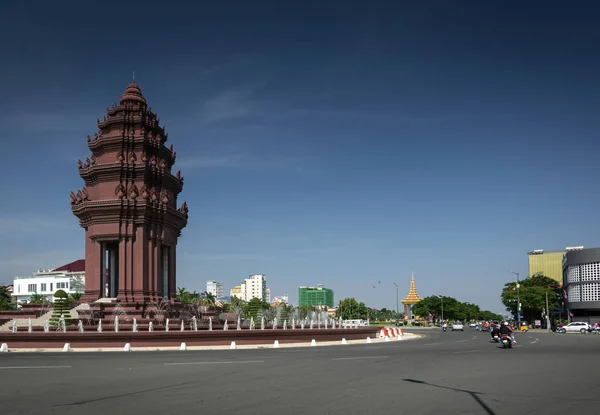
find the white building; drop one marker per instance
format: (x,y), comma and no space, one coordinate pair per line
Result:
(255,286)
(215,288)
(70,278)
(280,299)
(236,292)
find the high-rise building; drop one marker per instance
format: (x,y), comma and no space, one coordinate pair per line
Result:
(255,286)
(549,263)
(268,295)
(215,288)
(315,296)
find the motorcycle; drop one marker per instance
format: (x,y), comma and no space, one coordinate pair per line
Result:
(506,341)
(445,328)
(495,337)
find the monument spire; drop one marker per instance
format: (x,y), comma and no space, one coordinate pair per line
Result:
(411,299)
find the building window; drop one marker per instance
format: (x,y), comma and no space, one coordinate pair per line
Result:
(590,292)
(590,272)
(574,294)
(32,288)
(573,274)
(50,287)
(61,285)
(43,287)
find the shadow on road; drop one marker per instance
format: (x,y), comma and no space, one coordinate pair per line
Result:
(475,395)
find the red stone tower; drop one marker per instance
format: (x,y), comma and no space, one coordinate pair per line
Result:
(128,206)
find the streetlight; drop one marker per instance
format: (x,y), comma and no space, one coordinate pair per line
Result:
(397,303)
(518,298)
(439,296)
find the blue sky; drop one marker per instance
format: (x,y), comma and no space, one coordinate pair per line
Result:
(321,142)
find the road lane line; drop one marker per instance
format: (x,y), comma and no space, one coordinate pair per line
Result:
(461,341)
(467,351)
(431,344)
(359,357)
(231,362)
(33,367)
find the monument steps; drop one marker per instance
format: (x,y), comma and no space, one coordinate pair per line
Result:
(23,323)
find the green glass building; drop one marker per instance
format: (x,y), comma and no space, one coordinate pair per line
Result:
(315,296)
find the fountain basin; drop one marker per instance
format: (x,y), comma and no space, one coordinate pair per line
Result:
(107,339)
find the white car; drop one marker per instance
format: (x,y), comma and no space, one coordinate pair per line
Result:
(575,327)
(458,326)
(473,325)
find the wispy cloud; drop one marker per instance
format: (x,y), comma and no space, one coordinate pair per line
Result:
(29,262)
(25,224)
(233,103)
(67,121)
(252,162)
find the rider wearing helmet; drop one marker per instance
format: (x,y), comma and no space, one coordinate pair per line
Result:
(507,329)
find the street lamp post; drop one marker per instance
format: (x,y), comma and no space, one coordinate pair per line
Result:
(518,298)
(397,303)
(442,298)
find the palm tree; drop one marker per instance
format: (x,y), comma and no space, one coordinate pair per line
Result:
(210,299)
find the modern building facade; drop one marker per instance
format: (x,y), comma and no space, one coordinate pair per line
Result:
(215,288)
(548,263)
(69,277)
(255,286)
(581,281)
(318,296)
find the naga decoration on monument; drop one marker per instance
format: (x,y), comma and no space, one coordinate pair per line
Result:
(128,206)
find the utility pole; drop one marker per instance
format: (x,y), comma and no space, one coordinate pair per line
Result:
(442,298)
(397,304)
(547,315)
(518,298)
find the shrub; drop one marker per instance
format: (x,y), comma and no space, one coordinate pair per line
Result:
(61,307)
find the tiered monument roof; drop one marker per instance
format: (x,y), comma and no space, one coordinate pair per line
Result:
(128,175)
(412,297)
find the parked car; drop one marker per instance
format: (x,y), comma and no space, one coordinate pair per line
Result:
(458,326)
(473,324)
(575,327)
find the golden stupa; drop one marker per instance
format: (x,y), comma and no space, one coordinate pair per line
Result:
(412,297)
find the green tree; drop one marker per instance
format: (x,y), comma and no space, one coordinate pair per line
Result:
(532,292)
(350,309)
(255,307)
(186,297)
(38,299)
(61,307)
(6,302)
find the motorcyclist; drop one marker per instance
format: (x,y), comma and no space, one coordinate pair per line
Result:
(495,330)
(507,329)
(445,325)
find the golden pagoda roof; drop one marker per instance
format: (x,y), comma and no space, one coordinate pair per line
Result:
(412,297)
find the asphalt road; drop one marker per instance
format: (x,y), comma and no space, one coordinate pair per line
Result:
(452,372)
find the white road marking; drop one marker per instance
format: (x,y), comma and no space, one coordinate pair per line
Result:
(535,341)
(467,351)
(34,367)
(431,344)
(359,357)
(461,341)
(231,362)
